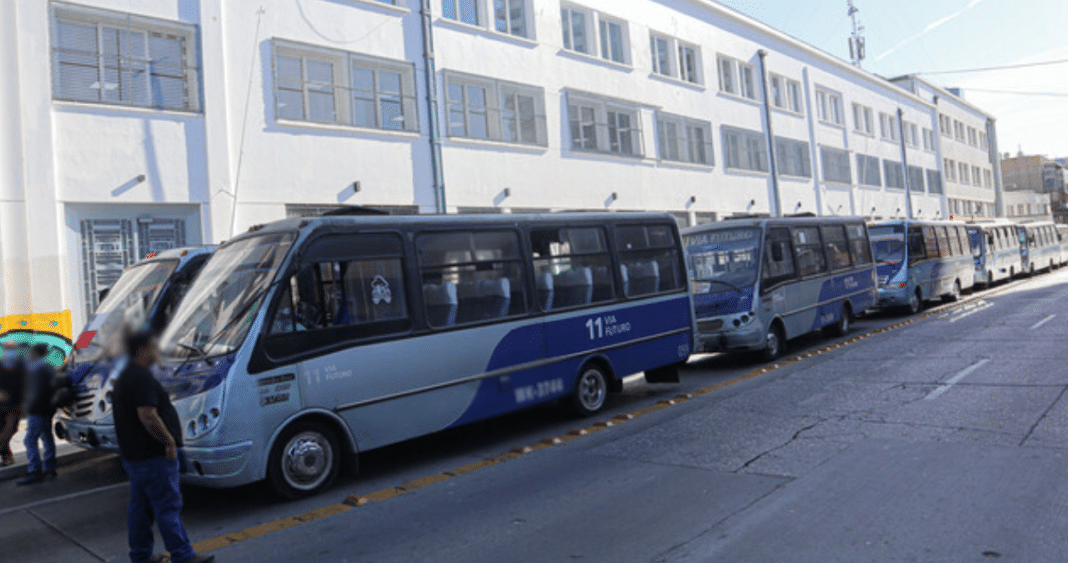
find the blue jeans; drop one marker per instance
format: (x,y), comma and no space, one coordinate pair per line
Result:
(155,497)
(39,428)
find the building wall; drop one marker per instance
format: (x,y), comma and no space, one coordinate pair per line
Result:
(110,180)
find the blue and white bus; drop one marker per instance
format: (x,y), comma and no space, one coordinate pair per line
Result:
(921,260)
(759,282)
(305,342)
(1062,236)
(1040,249)
(147,292)
(995,250)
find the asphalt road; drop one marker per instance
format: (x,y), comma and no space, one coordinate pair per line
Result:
(940,440)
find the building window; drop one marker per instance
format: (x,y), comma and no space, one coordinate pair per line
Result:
(675,58)
(862,119)
(793,91)
(793,158)
(744,150)
(951,169)
(736,77)
(868,173)
(747,80)
(973,137)
(786,93)
(977,176)
(510,16)
(660,46)
(912,135)
(962,172)
(928,140)
(958,130)
(575,22)
(465,11)
(934,182)
(887,126)
(684,140)
(727,81)
(895,176)
(329,86)
(915,179)
(835,163)
(984,141)
(988,179)
(122,59)
(690,63)
(944,125)
(829,106)
(603,125)
(483,108)
(614,45)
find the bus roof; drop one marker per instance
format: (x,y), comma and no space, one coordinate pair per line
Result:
(920,222)
(762,222)
(180,253)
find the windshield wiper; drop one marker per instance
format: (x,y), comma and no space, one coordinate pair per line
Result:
(728,284)
(192,347)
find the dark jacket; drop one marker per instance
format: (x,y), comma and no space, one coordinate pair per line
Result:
(12,378)
(37,397)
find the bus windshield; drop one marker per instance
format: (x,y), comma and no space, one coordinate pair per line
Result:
(724,257)
(217,312)
(888,244)
(127,302)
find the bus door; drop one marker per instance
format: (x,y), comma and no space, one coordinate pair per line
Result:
(778,270)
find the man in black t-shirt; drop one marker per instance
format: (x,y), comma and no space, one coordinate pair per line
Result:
(37,404)
(149,436)
(12,373)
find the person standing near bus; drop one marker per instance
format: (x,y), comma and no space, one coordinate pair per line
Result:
(12,373)
(148,431)
(37,404)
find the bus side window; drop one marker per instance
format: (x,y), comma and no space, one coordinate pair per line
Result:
(809,249)
(373,291)
(922,244)
(859,245)
(944,250)
(778,258)
(649,259)
(834,240)
(572,267)
(471,276)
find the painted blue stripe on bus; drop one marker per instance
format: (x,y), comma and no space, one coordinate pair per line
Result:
(889,269)
(838,287)
(570,336)
(714,304)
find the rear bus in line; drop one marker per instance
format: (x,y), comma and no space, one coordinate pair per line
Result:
(995,250)
(1062,236)
(305,342)
(1040,249)
(918,261)
(147,292)
(759,282)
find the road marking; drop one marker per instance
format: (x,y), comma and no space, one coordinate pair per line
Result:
(1042,322)
(956,378)
(979,306)
(355,501)
(78,494)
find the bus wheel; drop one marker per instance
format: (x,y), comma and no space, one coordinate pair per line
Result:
(954,295)
(915,302)
(841,328)
(1031,270)
(989,280)
(591,390)
(776,344)
(304,460)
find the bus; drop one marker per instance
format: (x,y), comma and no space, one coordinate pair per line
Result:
(1040,248)
(1062,236)
(147,292)
(757,283)
(995,249)
(919,261)
(304,342)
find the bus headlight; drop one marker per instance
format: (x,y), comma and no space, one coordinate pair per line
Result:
(744,319)
(203,424)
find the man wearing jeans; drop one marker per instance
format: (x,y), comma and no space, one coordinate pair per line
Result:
(37,403)
(148,431)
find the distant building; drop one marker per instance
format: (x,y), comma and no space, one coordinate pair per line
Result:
(1025,206)
(1038,174)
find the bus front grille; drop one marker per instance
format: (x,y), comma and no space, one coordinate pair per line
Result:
(710,326)
(883,280)
(83,405)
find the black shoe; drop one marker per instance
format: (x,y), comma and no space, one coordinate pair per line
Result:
(158,558)
(31,479)
(198,558)
(49,475)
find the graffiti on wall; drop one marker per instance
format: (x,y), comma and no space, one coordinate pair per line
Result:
(53,329)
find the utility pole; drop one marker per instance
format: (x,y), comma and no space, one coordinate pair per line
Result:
(856,40)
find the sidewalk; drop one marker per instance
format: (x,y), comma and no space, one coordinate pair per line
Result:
(66,454)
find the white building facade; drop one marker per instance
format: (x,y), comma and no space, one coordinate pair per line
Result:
(137,125)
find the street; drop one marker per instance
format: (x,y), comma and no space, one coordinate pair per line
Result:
(936,438)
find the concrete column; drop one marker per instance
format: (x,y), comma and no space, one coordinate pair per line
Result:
(14,254)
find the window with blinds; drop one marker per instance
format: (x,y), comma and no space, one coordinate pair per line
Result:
(122,59)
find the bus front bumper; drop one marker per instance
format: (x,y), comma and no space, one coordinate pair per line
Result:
(218,466)
(87,434)
(893,296)
(740,340)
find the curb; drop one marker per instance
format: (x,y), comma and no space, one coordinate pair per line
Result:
(63,459)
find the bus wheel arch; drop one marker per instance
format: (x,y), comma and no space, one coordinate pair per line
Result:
(775,341)
(306,456)
(595,380)
(845,321)
(915,301)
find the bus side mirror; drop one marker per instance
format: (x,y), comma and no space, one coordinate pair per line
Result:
(102,294)
(990,240)
(776,252)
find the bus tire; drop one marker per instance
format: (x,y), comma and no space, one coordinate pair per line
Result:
(591,390)
(1031,270)
(954,295)
(989,280)
(841,328)
(305,460)
(776,343)
(915,302)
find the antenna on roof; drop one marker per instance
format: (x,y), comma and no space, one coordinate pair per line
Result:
(856,40)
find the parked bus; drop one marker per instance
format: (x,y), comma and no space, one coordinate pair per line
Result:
(921,260)
(995,250)
(1040,248)
(147,292)
(304,342)
(1062,236)
(759,282)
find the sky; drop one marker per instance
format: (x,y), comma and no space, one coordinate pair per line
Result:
(926,36)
